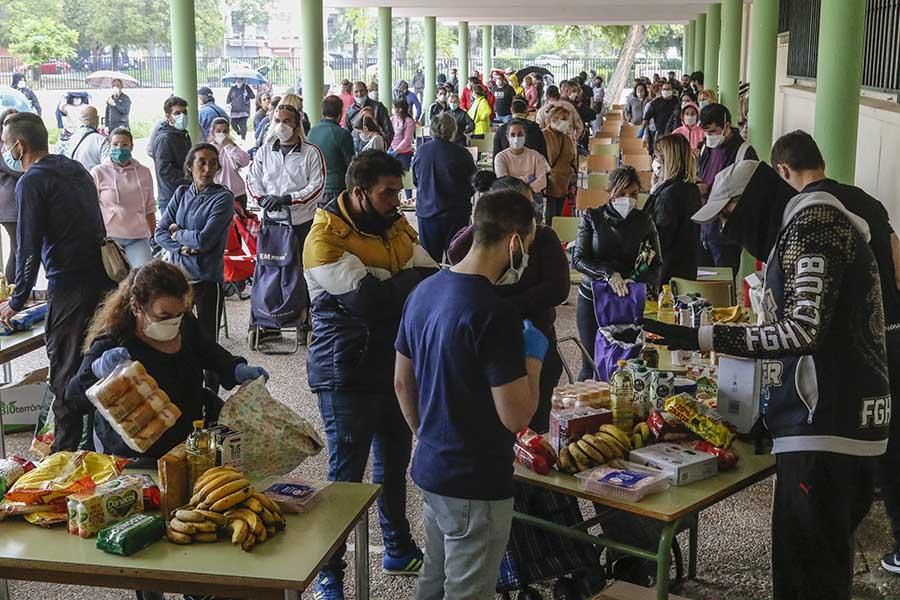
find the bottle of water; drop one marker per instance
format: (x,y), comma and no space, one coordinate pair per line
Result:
(666,309)
(621,394)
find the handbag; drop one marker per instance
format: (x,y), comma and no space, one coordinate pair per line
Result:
(115,262)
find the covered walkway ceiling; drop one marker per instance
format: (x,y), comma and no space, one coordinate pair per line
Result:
(542,12)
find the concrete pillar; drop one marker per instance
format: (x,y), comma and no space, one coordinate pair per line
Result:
(430,62)
(687,51)
(313,58)
(184,70)
(745,39)
(385,51)
(730,54)
(711,49)
(699,43)
(487,51)
(838,77)
(463,72)
(764,30)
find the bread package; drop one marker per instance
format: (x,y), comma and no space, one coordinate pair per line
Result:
(173,480)
(131,401)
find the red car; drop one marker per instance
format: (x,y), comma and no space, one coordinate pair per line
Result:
(55,67)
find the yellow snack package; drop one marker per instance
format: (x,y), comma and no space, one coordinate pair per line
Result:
(63,474)
(700,420)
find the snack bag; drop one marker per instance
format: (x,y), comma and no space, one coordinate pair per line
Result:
(63,474)
(290,494)
(666,428)
(275,438)
(698,419)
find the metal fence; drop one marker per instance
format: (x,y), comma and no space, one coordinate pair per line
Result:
(881,47)
(156,72)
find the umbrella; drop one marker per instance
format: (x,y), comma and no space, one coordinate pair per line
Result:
(10,98)
(249,76)
(105,79)
(541,72)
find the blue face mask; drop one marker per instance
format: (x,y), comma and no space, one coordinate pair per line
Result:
(14,164)
(180,122)
(120,155)
(704,104)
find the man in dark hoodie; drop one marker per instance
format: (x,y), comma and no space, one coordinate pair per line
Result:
(824,367)
(20,85)
(168,147)
(60,227)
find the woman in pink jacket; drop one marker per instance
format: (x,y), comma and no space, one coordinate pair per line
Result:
(125,189)
(232,158)
(690,127)
(404,134)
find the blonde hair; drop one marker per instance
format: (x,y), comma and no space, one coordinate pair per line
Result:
(677,159)
(295,102)
(709,94)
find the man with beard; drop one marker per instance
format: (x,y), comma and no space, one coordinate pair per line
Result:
(825,378)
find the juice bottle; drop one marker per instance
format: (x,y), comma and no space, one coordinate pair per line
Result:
(201,452)
(621,395)
(666,310)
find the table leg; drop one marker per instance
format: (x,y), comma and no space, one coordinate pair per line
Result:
(664,559)
(692,556)
(4,590)
(361,557)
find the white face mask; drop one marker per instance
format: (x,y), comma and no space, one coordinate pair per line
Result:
(220,137)
(365,136)
(690,120)
(117,90)
(163,331)
(454,106)
(623,205)
(666,93)
(561,126)
(517,143)
(283,132)
(656,166)
(360,100)
(180,121)
(513,274)
(714,140)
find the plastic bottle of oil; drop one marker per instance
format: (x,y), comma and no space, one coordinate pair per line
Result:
(621,395)
(201,452)
(666,309)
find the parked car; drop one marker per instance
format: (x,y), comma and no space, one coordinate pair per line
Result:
(55,67)
(549,60)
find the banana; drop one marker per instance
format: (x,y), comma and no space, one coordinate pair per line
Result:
(177,538)
(617,433)
(268,503)
(271,530)
(205,527)
(582,460)
(601,446)
(189,516)
(217,518)
(566,462)
(247,544)
(643,429)
(268,518)
(228,501)
(219,487)
(182,527)
(253,504)
(281,524)
(210,474)
(262,536)
(247,515)
(614,444)
(637,441)
(205,538)
(239,531)
(592,452)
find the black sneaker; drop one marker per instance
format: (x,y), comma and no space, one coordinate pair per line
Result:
(891,561)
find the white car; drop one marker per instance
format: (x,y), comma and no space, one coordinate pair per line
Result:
(549,60)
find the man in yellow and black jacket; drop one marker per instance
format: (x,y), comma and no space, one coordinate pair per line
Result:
(362,259)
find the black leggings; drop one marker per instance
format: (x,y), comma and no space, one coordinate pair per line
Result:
(209,302)
(586,320)
(554,208)
(10,270)
(239,124)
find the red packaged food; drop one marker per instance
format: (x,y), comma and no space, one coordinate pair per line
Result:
(728,459)
(152,496)
(666,428)
(530,459)
(536,443)
(26,464)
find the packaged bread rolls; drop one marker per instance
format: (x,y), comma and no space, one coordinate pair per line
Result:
(131,401)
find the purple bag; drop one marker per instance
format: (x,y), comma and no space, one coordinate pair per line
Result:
(619,330)
(278,295)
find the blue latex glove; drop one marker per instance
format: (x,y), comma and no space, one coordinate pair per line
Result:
(244,372)
(108,361)
(536,343)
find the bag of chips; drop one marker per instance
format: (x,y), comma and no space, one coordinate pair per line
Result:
(700,420)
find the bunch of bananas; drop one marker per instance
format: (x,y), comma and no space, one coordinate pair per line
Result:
(593,450)
(223,501)
(640,435)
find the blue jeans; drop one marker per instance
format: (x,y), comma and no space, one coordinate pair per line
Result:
(436,233)
(505,119)
(355,422)
(137,250)
(464,543)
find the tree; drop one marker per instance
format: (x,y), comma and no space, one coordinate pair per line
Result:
(633,42)
(525,36)
(14,12)
(38,40)
(247,13)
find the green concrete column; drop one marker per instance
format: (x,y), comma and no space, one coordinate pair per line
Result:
(687,53)
(487,51)
(430,62)
(730,53)
(463,53)
(838,78)
(764,32)
(711,48)
(699,43)
(313,58)
(385,48)
(184,70)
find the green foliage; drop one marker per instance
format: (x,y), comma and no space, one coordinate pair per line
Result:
(14,12)
(37,40)
(662,37)
(518,36)
(246,13)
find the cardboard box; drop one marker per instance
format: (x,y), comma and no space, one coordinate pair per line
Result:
(621,590)
(20,401)
(173,480)
(682,465)
(568,425)
(228,446)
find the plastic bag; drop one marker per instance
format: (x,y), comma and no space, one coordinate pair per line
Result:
(275,438)
(63,474)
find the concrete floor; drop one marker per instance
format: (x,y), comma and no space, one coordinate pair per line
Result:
(734,535)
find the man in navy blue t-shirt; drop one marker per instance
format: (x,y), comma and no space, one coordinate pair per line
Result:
(467,377)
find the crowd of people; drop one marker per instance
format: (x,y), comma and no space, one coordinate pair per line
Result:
(463,357)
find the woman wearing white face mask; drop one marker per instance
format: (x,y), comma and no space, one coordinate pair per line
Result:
(616,243)
(147,319)
(563,159)
(690,127)
(523,163)
(232,158)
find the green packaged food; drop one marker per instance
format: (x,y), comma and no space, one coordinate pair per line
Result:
(131,535)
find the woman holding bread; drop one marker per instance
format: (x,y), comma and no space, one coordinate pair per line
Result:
(147,320)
